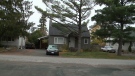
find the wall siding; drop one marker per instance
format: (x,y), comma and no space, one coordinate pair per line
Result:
(10,43)
(85,46)
(124,47)
(16,43)
(51,40)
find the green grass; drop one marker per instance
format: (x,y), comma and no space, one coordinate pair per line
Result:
(97,55)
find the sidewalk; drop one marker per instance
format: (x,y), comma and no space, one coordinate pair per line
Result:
(54,59)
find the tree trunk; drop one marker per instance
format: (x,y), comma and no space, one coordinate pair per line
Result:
(120,40)
(120,47)
(129,48)
(79,42)
(79,27)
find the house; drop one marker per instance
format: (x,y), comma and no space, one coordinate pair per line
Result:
(10,42)
(61,35)
(125,46)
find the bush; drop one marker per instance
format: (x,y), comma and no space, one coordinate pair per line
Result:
(95,48)
(71,49)
(86,50)
(129,48)
(1,45)
(64,48)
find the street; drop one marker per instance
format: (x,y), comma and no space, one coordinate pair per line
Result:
(11,68)
(36,63)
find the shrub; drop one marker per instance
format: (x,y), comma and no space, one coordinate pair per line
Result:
(95,48)
(86,50)
(71,49)
(64,48)
(1,45)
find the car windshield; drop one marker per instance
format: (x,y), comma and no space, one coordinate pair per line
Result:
(52,47)
(108,47)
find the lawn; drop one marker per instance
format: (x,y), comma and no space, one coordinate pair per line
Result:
(7,49)
(97,55)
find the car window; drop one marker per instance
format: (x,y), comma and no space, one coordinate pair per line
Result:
(108,47)
(52,47)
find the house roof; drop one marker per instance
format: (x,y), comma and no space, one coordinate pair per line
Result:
(57,29)
(42,37)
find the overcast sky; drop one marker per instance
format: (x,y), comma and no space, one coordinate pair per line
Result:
(36,16)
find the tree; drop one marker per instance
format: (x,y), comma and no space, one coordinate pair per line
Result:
(94,34)
(69,12)
(42,25)
(33,37)
(117,14)
(14,16)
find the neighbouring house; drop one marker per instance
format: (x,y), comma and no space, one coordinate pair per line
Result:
(61,35)
(17,42)
(125,45)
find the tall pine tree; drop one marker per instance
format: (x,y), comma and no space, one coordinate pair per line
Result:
(69,12)
(42,25)
(14,16)
(117,14)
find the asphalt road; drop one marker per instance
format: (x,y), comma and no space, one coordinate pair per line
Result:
(11,68)
(37,64)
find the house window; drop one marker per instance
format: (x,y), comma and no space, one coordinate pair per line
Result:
(58,40)
(86,41)
(10,39)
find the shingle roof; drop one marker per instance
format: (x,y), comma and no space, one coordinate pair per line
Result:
(60,30)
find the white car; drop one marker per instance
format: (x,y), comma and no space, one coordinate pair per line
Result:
(108,49)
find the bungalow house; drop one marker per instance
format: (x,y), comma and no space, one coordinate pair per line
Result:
(10,42)
(61,35)
(125,45)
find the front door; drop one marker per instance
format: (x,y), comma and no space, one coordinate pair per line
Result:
(72,42)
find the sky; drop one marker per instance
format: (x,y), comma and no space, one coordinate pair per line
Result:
(36,16)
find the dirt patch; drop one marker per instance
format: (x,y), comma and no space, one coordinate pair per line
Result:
(17,52)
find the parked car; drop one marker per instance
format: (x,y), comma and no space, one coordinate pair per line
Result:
(30,46)
(52,49)
(109,49)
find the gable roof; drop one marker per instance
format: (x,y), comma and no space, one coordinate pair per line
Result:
(60,30)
